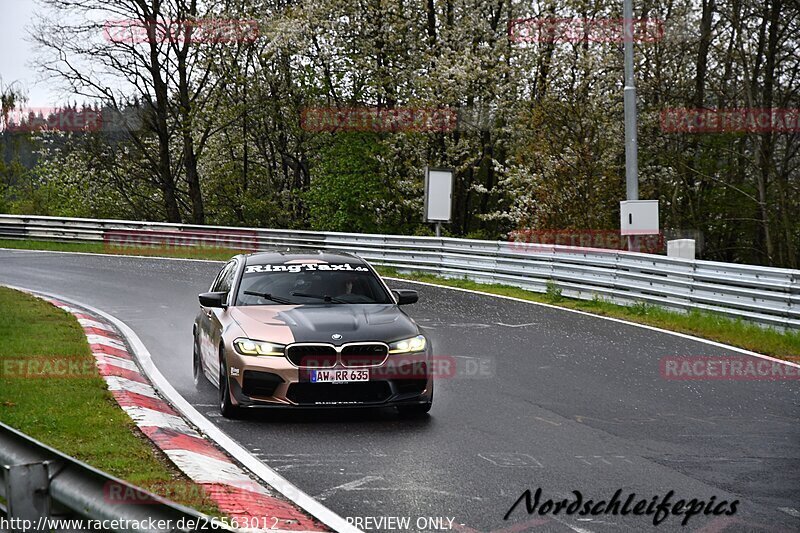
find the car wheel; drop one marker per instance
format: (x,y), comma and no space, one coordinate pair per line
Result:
(197,367)
(226,407)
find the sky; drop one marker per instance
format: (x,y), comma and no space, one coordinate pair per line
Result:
(17,54)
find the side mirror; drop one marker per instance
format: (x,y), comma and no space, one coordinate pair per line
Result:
(406,296)
(213,299)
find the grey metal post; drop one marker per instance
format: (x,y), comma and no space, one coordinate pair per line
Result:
(629,93)
(631,143)
(26,490)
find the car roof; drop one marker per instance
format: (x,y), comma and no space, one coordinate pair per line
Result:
(279,257)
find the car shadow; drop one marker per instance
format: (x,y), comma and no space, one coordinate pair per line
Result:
(360,415)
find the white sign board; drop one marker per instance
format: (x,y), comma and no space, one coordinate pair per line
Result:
(638,217)
(438,195)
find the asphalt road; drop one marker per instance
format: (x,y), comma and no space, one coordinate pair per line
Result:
(563,402)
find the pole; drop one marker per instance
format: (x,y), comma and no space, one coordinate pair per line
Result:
(629,93)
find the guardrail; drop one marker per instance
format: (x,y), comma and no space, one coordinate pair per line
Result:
(42,486)
(769,296)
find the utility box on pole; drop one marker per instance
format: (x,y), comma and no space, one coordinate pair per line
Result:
(638,217)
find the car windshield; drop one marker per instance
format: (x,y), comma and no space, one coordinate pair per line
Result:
(310,283)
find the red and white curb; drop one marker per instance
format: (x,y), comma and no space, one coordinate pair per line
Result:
(222,480)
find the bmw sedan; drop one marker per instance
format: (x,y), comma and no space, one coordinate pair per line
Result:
(310,330)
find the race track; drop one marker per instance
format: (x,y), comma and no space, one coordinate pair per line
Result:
(566,402)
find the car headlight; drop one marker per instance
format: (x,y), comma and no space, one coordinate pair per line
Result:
(414,344)
(251,347)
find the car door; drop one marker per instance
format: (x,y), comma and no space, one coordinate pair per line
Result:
(210,323)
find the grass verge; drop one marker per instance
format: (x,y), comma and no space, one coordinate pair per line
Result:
(768,341)
(50,389)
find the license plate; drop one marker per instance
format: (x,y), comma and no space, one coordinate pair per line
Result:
(339,376)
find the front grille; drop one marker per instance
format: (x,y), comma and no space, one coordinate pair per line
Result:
(260,383)
(364,354)
(328,393)
(312,355)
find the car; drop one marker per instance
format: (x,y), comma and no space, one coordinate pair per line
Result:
(299,329)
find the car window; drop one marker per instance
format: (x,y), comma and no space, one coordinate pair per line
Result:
(311,284)
(215,283)
(225,278)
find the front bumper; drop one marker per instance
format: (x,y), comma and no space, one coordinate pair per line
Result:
(275,382)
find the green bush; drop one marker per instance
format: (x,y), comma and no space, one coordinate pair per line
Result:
(347,192)
(553,292)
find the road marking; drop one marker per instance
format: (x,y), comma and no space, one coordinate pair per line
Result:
(790,511)
(595,521)
(506,459)
(574,528)
(352,485)
(284,468)
(701,420)
(604,459)
(548,421)
(696,458)
(358,486)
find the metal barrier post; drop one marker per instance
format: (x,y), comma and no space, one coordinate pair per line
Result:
(27,491)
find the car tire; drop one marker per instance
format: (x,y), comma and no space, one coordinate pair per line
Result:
(226,407)
(197,367)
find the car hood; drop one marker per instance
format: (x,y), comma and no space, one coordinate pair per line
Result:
(318,323)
